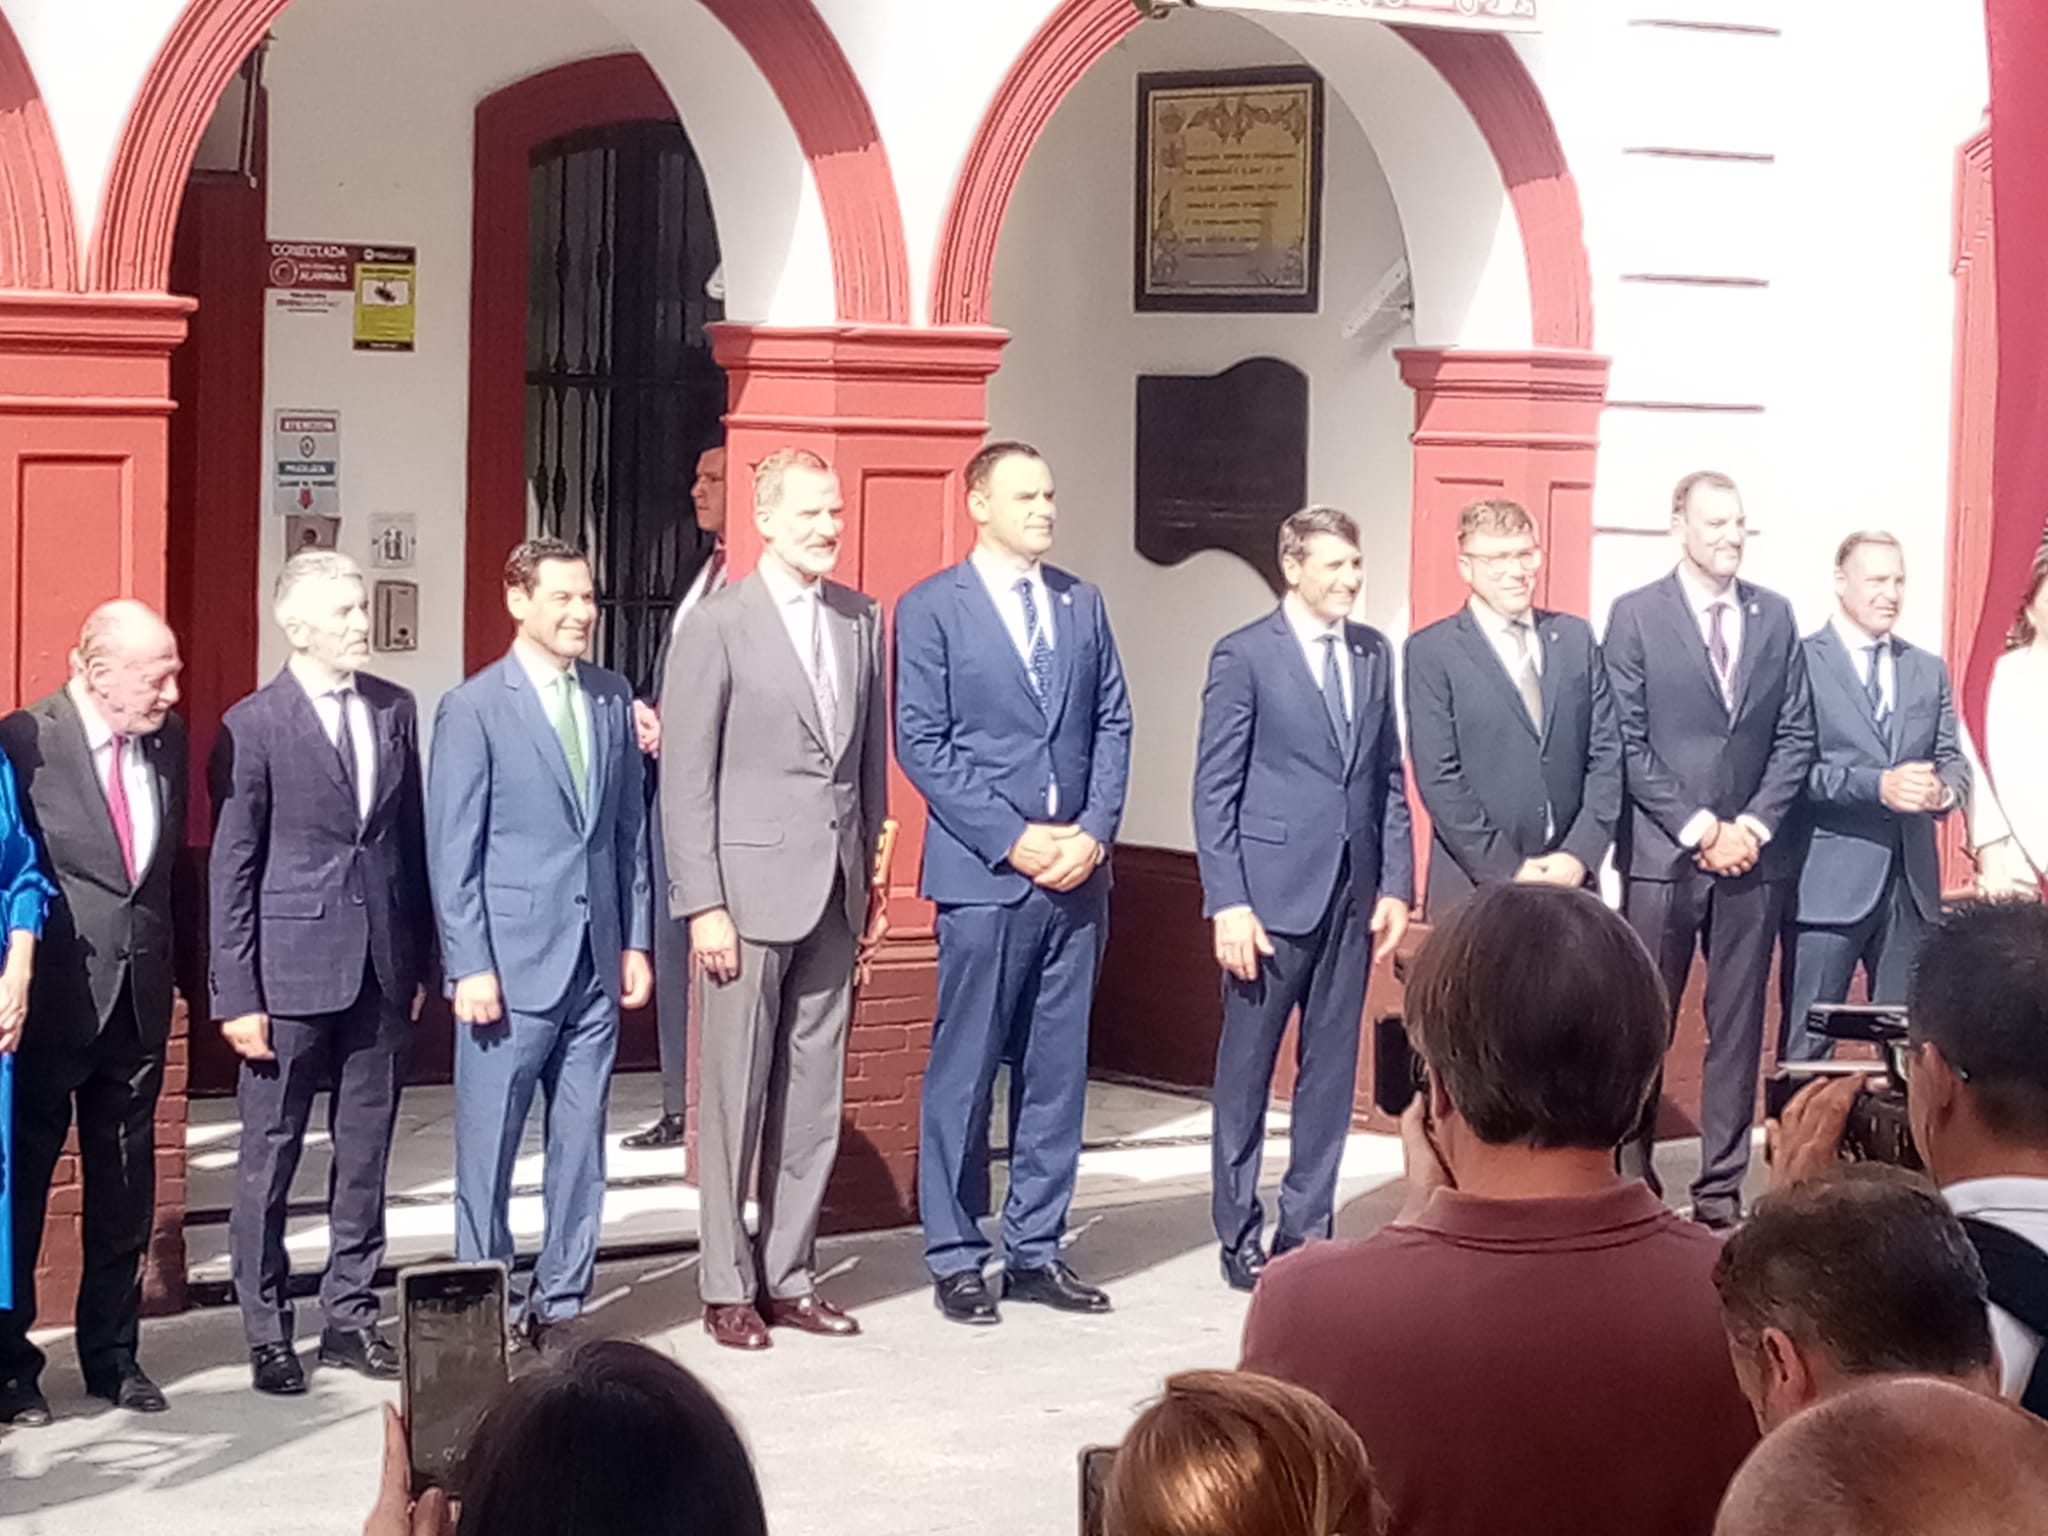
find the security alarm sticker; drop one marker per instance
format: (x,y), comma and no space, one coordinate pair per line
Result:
(307,455)
(386,281)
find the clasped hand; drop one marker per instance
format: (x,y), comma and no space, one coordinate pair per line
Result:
(1911,788)
(1728,849)
(1056,857)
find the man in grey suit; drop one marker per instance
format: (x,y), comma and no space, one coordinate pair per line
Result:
(773,790)
(537,849)
(671,938)
(1891,763)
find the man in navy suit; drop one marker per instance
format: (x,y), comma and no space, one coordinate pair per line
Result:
(1717,735)
(1013,723)
(1511,725)
(320,921)
(1891,763)
(536,841)
(1302,835)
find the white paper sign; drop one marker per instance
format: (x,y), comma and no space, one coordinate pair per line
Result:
(308,463)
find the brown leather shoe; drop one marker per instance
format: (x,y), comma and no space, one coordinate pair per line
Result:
(736,1326)
(811,1314)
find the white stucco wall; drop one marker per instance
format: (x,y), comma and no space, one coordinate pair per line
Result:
(1068,383)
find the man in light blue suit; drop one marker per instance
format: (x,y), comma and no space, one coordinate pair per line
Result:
(1891,764)
(538,856)
(1013,723)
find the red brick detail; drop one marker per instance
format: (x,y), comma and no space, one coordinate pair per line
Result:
(38,236)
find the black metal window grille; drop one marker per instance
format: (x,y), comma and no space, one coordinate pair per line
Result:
(621,390)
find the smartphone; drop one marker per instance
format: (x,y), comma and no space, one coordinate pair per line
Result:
(453,1345)
(1397,1074)
(1792,1076)
(1096,1460)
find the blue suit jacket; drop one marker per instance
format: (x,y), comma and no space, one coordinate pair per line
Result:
(973,738)
(521,871)
(1850,836)
(301,888)
(1278,796)
(1683,749)
(1487,776)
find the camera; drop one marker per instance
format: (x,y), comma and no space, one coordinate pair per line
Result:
(1877,1129)
(1397,1072)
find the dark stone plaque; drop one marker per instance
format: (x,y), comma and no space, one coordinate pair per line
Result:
(1222,461)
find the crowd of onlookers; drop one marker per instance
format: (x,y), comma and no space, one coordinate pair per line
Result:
(1534,1344)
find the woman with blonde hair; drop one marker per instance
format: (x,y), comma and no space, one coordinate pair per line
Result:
(1229,1453)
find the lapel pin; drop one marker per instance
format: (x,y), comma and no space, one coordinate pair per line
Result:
(1067,598)
(1753,610)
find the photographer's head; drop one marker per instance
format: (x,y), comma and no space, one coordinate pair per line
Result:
(1977,1079)
(1864,1272)
(1542,1022)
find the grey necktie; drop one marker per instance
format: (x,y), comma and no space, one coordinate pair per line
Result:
(1527,683)
(822,687)
(345,749)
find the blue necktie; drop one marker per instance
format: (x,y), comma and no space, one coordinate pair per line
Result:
(1333,690)
(1041,650)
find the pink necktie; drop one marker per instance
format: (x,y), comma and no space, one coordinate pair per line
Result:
(117,807)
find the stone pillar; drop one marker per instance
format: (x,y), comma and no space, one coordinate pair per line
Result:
(898,411)
(84,400)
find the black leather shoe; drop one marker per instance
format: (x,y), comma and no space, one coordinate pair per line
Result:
(668,1131)
(362,1350)
(1053,1285)
(1243,1266)
(275,1369)
(126,1386)
(964,1298)
(22,1403)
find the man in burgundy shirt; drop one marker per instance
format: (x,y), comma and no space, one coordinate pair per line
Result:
(1534,1344)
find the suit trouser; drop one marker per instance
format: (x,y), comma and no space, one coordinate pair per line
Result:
(1015,983)
(358,1056)
(115,1079)
(1734,924)
(1322,973)
(671,972)
(1885,942)
(773,1067)
(566,1053)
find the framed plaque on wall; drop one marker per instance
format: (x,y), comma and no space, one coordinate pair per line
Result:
(1230,190)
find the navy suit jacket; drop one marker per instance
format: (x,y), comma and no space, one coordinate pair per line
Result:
(1683,749)
(301,888)
(1274,785)
(1851,836)
(973,738)
(1488,778)
(523,873)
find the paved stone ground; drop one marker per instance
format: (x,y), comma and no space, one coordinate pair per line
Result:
(917,1429)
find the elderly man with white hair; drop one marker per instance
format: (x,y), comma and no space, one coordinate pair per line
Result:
(320,917)
(101,763)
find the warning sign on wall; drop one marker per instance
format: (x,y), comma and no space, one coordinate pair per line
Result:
(308,459)
(312,277)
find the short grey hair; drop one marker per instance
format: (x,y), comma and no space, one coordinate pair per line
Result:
(1304,525)
(773,470)
(310,565)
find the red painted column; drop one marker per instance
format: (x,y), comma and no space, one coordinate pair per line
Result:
(84,400)
(1524,425)
(897,411)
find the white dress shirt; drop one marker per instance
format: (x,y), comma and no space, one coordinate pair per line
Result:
(1857,641)
(1500,634)
(1001,576)
(1309,633)
(2020,1205)
(798,602)
(548,678)
(144,815)
(1702,599)
(2016,748)
(710,578)
(327,696)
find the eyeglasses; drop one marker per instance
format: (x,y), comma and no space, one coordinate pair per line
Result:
(1514,559)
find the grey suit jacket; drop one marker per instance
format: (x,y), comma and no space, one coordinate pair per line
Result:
(759,810)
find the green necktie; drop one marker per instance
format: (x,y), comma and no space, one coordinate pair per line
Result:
(565,727)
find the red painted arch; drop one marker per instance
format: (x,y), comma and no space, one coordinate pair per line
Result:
(1481,67)
(787,40)
(38,235)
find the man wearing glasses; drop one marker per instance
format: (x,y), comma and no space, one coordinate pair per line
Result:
(1511,727)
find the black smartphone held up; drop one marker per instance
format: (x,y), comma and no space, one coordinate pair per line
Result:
(1096,1460)
(1397,1074)
(452,1341)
